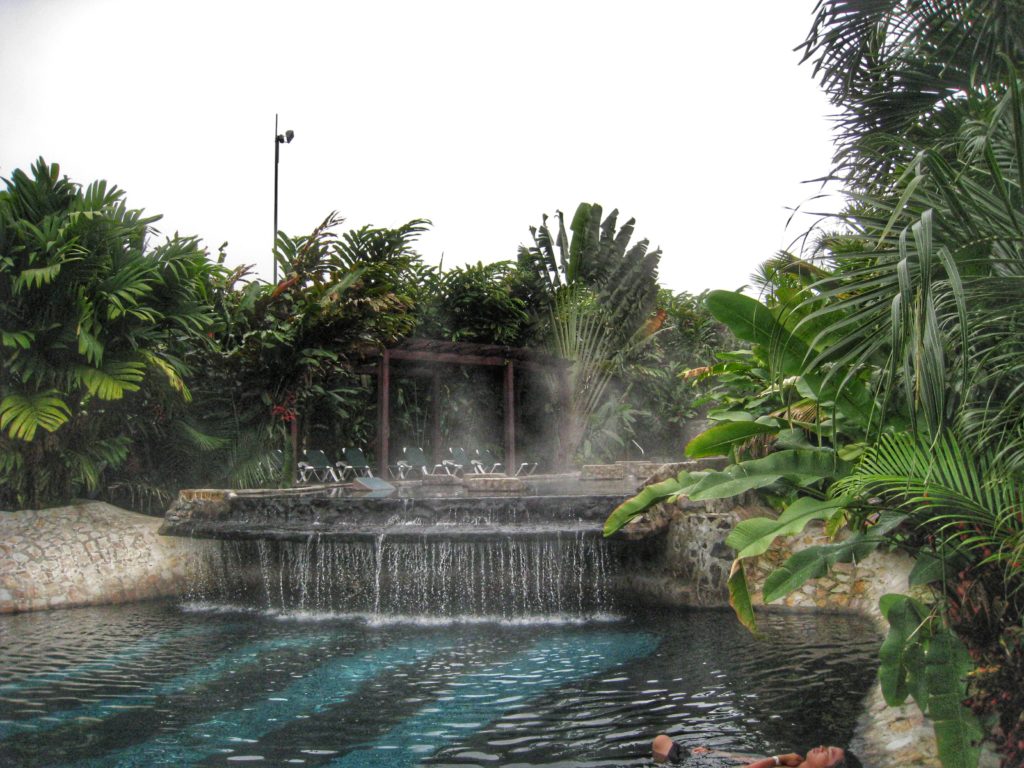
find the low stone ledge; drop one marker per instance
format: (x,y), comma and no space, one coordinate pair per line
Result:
(441,480)
(493,483)
(640,469)
(88,554)
(603,472)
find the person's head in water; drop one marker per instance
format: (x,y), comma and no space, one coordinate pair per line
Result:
(825,757)
(664,749)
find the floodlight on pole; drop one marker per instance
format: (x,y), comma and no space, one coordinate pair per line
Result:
(279,139)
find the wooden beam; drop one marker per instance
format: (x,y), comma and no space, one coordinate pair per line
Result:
(444,357)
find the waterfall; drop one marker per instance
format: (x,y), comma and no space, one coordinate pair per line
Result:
(560,573)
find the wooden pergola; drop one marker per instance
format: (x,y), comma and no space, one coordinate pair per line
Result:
(429,357)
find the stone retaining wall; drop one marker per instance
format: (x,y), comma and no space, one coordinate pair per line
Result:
(87,554)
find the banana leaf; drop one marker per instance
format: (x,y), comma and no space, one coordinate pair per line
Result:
(754,536)
(800,467)
(720,439)
(647,498)
(940,565)
(957,731)
(902,669)
(815,562)
(739,597)
(752,321)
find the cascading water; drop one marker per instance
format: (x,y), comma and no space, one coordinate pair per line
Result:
(491,557)
(507,577)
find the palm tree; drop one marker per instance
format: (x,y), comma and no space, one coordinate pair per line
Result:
(598,293)
(907,73)
(89,313)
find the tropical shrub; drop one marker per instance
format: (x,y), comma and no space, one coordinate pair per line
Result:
(480,303)
(282,369)
(94,323)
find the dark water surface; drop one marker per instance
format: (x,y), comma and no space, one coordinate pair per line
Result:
(162,684)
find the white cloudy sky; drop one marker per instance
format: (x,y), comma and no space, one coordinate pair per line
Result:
(694,118)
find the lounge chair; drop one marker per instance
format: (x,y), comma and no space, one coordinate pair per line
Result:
(416,460)
(526,468)
(355,463)
(485,462)
(457,461)
(316,466)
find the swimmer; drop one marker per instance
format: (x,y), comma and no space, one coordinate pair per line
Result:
(666,750)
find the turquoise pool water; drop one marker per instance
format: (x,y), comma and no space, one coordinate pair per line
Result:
(163,684)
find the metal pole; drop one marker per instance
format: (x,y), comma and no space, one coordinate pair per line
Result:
(277,161)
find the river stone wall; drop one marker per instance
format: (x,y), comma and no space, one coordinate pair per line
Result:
(87,554)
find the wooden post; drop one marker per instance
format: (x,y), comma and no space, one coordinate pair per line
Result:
(294,430)
(383,413)
(435,415)
(510,417)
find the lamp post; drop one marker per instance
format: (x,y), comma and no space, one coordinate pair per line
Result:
(279,139)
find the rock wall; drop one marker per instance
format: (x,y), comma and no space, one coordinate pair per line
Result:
(87,554)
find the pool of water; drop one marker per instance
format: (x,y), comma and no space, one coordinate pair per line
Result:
(161,684)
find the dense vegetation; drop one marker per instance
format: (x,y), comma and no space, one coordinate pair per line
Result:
(880,388)
(884,390)
(133,370)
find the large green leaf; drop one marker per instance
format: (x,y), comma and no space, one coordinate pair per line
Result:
(720,439)
(902,672)
(800,467)
(23,415)
(739,596)
(814,562)
(940,565)
(852,398)
(754,536)
(957,731)
(647,498)
(752,321)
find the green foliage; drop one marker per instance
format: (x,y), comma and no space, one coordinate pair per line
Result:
(968,502)
(482,303)
(922,658)
(88,311)
(650,495)
(287,353)
(795,467)
(22,415)
(753,537)
(899,349)
(595,293)
(739,597)
(751,321)
(720,439)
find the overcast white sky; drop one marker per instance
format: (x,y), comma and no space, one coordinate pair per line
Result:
(694,118)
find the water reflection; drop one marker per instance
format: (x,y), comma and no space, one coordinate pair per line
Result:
(155,684)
